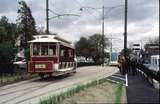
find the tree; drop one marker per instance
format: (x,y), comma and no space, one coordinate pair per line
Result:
(128,52)
(3,34)
(82,47)
(96,47)
(41,30)
(91,47)
(8,34)
(8,31)
(154,40)
(26,23)
(7,54)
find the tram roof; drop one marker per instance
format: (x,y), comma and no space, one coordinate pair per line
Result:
(43,40)
(50,39)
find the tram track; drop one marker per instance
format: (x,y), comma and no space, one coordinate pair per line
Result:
(36,86)
(23,94)
(38,79)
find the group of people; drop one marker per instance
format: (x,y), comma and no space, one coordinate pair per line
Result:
(127,65)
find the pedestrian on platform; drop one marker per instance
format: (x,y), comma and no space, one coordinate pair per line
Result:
(119,62)
(123,66)
(134,66)
(128,65)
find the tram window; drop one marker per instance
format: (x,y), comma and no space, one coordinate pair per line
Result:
(70,52)
(36,50)
(155,61)
(52,50)
(44,50)
(62,52)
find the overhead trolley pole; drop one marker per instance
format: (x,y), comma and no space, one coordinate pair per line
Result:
(103,59)
(47,18)
(125,28)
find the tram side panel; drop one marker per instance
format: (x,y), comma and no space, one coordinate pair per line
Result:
(51,64)
(40,66)
(66,58)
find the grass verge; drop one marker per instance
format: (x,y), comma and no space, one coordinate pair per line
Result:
(12,78)
(56,99)
(118,93)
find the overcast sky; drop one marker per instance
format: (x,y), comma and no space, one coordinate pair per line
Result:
(143,18)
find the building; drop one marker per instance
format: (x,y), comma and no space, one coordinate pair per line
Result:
(136,47)
(136,51)
(150,49)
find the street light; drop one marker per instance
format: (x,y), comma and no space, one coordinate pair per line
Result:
(109,9)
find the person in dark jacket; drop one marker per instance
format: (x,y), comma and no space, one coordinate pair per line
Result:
(134,66)
(122,65)
(128,65)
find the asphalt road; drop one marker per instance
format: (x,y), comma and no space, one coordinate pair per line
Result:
(31,91)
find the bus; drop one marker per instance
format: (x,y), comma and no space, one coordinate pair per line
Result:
(51,55)
(154,65)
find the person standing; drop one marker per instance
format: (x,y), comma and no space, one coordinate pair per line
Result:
(134,66)
(128,65)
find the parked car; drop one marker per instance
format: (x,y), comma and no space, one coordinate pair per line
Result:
(21,64)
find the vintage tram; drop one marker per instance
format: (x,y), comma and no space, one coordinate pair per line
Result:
(51,55)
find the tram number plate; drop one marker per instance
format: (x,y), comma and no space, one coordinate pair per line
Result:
(40,66)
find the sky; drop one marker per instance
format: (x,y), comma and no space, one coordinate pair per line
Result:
(143,18)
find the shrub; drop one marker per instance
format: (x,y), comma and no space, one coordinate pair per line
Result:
(7,54)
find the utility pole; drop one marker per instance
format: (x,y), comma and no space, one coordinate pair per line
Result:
(103,35)
(47,18)
(125,29)
(159,17)
(111,43)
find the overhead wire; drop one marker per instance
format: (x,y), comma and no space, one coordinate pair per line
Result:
(83,6)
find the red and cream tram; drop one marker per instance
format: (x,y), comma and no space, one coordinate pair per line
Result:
(52,55)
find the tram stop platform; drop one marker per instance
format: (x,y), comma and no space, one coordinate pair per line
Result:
(139,90)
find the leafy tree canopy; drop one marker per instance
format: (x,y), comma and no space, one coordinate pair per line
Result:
(8,31)
(26,22)
(154,40)
(128,52)
(91,47)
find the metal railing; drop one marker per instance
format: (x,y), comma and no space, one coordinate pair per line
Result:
(144,70)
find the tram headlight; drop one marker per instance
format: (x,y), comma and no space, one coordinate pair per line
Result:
(42,66)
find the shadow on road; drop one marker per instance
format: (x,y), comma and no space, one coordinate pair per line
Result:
(52,78)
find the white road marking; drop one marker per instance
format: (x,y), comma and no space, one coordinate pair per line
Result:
(118,77)
(126,80)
